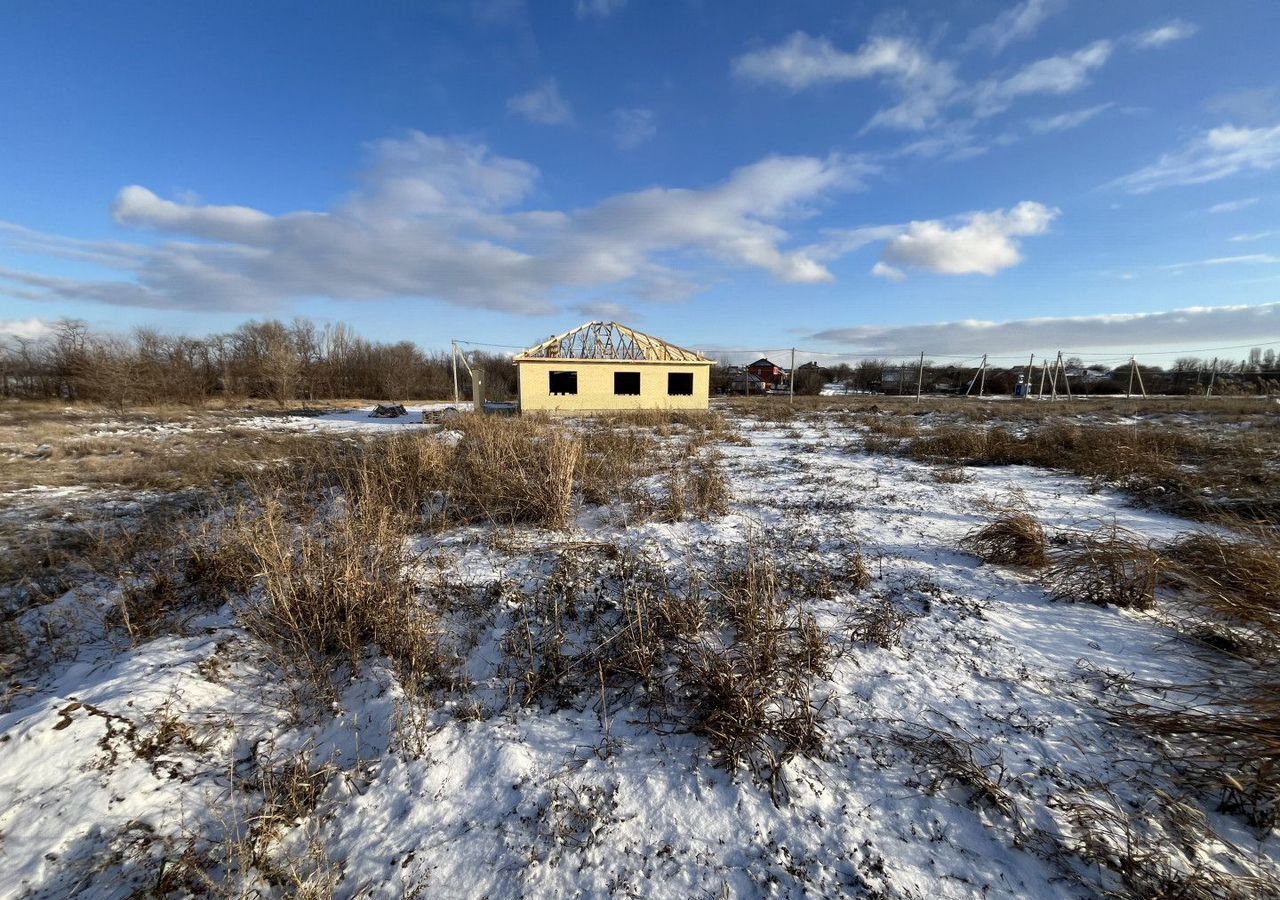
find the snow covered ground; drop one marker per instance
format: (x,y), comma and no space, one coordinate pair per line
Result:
(122,763)
(348,420)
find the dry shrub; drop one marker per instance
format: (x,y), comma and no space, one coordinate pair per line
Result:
(1012,539)
(1108,567)
(515,470)
(952,475)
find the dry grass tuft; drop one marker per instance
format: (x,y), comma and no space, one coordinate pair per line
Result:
(696,488)
(1109,567)
(1159,852)
(728,656)
(952,475)
(1235,578)
(1012,539)
(947,759)
(1225,743)
(878,623)
(334,584)
(514,470)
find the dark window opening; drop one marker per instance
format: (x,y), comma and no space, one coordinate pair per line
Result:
(626,383)
(564,382)
(680,384)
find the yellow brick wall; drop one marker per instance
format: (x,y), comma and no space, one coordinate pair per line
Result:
(595,386)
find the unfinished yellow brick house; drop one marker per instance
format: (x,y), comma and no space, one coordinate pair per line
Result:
(607,367)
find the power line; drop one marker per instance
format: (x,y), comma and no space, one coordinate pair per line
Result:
(1093,359)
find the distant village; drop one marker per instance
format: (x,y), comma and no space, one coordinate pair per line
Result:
(1258,373)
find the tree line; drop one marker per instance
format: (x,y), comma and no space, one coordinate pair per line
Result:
(271,360)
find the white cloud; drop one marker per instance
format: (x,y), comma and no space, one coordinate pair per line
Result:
(1014,24)
(543,105)
(1195,327)
(955,141)
(1176,30)
(984,243)
(24,329)
(1067,120)
(1249,259)
(1255,236)
(1233,205)
(801,61)
(633,127)
(138,206)
(1054,75)
(442,218)
(882,270)
(607,311)
(597,9)
(1215,154)
(1251,106)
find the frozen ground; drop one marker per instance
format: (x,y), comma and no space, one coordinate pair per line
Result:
(121,760)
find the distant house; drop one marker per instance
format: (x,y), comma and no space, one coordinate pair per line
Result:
(608,367)
(744,383)
(768,372)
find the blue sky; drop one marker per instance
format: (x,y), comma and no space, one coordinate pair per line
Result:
(852,177)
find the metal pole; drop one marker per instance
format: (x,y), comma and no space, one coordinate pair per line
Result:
(791,386)
(920,377)
(454,346)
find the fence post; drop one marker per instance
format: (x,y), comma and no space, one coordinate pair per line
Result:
(792,380)
(454,356)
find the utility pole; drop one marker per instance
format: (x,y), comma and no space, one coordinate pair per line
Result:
(791,382)
(1026,393)
(454,356)
(982,370)
(1213,373)
(1142,387)
(1044,370)
(982,385)
(1128,394)
(1057,365)
(920,377)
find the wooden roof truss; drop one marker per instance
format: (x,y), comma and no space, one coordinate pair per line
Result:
(609,340)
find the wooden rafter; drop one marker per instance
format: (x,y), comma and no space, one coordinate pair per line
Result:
(609,340)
